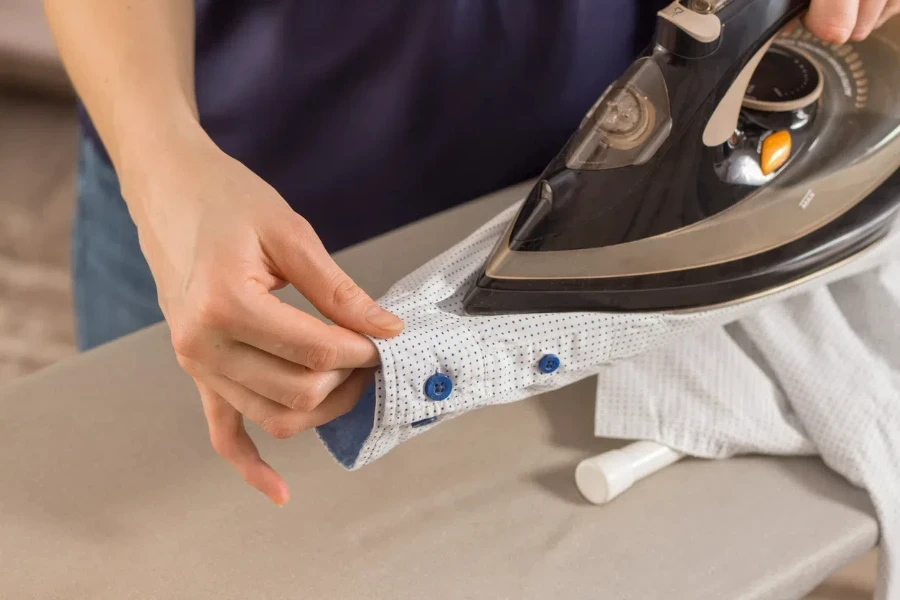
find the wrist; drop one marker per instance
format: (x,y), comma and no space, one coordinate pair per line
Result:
(151,149)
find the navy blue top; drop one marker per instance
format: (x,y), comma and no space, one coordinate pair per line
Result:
(368,114)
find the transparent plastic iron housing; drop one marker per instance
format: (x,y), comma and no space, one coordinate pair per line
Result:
(627,125)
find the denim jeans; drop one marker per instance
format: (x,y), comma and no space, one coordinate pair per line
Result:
(113,289)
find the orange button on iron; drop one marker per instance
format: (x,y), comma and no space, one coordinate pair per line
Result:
(776,149)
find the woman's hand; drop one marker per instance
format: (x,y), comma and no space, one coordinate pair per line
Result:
(218,240)
(838,21)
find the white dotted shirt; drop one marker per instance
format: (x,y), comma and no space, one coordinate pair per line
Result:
(811,370)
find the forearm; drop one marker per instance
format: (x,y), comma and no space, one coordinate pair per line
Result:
(132,64)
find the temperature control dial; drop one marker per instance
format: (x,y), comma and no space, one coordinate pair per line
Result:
(784,81)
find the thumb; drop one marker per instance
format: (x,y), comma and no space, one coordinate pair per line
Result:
(832,20)
(301,259)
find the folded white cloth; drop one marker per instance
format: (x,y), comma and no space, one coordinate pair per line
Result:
(818,373)
(811,369)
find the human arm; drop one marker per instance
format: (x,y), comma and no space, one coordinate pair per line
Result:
(217,238)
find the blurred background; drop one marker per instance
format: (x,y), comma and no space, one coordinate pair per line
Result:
(37,184)
(37,167)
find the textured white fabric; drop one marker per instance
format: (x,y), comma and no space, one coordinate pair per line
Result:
(818,373)
(813,369)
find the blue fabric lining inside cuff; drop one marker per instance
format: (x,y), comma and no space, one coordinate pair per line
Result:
(344,437)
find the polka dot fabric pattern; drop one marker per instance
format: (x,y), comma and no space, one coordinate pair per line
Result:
(491,360)
(811,370)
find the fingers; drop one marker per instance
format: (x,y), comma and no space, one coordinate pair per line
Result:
(275,419)
(231,441)
(280,329)
(870,12)
(291,385)
(891,10)
(302,259)
(213,316)
(832,20)
(838,21)
(345,397)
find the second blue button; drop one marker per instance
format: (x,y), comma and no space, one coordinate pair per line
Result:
(438,387)
(548,364)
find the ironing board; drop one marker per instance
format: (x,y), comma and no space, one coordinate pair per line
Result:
(109,490)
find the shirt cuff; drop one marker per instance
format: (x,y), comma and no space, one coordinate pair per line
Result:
(420,383)
(345,436)
(447,363)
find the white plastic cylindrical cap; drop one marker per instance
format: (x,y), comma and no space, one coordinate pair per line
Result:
(603,477)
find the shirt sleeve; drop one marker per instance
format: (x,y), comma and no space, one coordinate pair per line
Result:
(446,363)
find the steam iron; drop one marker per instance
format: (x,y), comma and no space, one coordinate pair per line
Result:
(736,157)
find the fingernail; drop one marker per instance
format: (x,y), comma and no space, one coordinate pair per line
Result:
(379,317)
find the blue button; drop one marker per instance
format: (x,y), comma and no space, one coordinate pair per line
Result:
(424,422)
(548,363)
(438,387)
